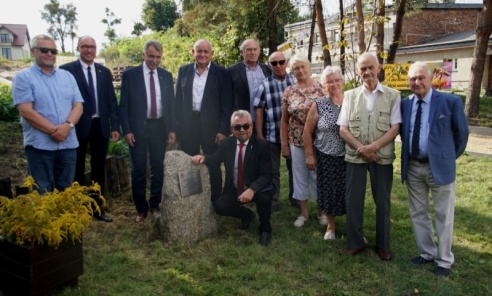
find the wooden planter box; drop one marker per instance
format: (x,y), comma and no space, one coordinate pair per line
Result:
(34,270)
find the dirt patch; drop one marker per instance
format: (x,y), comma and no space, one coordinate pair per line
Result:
(13,162)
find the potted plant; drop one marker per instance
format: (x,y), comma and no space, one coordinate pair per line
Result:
(41,238)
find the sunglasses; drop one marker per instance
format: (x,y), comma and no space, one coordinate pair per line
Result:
(45,50)
(238,127)
(275,63)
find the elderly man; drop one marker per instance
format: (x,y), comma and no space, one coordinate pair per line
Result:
(268,103)
(50,105)
(369,122)
(247,76)
(99,121)
(204,105)
(434,133)
(248,175)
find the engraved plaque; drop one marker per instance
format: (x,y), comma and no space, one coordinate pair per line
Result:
(190,182)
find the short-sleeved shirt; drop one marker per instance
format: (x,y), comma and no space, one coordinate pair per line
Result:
(299,101)
(52,96)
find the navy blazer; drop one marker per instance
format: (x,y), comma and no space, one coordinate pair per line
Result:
(257,166)
(133,102)
(241,86)
(106,99)
(447,139)
(216,107)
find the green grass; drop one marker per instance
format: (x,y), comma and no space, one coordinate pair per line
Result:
(123,258)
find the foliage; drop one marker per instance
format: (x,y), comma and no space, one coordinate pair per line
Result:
(8,112)
(159,15)
(110,21)
(119,148)
(50,218)
(61,19)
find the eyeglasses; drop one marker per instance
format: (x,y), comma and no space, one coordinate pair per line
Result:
(275,63)
(334,81)
(45,50)
(238,127)
(86,47)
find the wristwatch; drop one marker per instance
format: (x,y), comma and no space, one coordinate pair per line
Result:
(70,123)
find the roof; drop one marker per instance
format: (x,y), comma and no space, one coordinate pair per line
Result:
(454,40)
(20,32)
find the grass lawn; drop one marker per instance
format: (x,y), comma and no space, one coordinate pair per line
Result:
(123,258)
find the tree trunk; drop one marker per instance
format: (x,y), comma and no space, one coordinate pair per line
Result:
(322,33)
(272,27)
(342,38)
(400,13)
(360,26)
(311,35)
(484,29)
(380,35)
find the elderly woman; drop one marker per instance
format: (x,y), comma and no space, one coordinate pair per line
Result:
(330,148)
(296,102)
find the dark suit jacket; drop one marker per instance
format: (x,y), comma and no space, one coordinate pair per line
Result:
(257,166)
(447,139)
(108,106)
(217,103)
(133,102)
(240,84)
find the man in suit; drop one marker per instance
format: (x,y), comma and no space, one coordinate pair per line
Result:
(369,122)
(204,104)
(99,121)
(248,178)
(434,133)
(147,118)
(247,76)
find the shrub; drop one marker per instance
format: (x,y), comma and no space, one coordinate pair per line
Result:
(8,112)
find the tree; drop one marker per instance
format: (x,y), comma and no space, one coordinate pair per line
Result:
(61,19)
(380,20)
(400,13)
(360,26)
(322,33)
(138,29)
(342,37)
(110,21)
(159,15)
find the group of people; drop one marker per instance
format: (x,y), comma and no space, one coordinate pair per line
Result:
(331,139)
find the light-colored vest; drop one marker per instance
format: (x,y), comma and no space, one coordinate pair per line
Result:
(367,129)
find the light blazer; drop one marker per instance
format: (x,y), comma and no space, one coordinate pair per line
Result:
(217,103)
(257,166)
(108,106)
(240,84)
(447,139)
(133,102)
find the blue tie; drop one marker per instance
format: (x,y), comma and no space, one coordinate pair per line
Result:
(416,131)
(92,91)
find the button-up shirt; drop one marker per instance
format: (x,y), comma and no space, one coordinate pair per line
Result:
(255,79)
(199,82)
(424,124)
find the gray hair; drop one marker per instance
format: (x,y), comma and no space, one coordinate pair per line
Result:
(418,65)
(156,44)
(240,114)
(276,52)
(365,56)
(299,59)
(202,40)
(34,40)
(331,70)
(243,45)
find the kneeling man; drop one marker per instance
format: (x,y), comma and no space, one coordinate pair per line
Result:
(248,175)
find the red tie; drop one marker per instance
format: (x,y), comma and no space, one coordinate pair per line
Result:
(240,185)
(153,98)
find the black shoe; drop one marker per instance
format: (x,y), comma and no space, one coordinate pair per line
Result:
(246,221)
(441,271)
(420,260)
(103,217)
(265,238)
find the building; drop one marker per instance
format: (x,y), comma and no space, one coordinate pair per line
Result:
(14,42)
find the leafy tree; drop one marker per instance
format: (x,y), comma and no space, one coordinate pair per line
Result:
(110,21)
(138,29)
(322,33)
(61,19)
(159,15)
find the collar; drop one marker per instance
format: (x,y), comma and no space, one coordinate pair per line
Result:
(249,67)
(427,97)
(379,87)
(85,66)
(245,143)
(208,66)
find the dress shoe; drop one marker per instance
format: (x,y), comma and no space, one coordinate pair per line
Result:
(140,217)
(265,238)
(155,209)
(420,260)
(441,271)
(384,255)
(246,221)
(352,252)
(103,217)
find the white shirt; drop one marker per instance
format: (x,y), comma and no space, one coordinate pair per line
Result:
(199,82)
(146,72)
(94,80)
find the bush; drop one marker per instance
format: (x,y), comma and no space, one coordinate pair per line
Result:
(8,112)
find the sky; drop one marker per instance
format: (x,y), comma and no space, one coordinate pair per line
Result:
(89,15)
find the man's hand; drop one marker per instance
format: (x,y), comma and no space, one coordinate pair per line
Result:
(246,196)
(198,159)
(115,136)
(61,132)
(368,153)
(219,138)
(130,139)
(171,138)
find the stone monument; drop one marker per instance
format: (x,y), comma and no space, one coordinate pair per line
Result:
(181,218)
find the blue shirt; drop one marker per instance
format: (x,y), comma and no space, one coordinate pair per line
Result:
(424,124)
(52,96)
(255,77)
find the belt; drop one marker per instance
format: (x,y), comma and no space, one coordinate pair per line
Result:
(420,160)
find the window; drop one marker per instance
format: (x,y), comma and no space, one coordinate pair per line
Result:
(453,62)
(5,38)
(6,53)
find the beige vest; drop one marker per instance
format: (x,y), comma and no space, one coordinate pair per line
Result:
(367,129)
